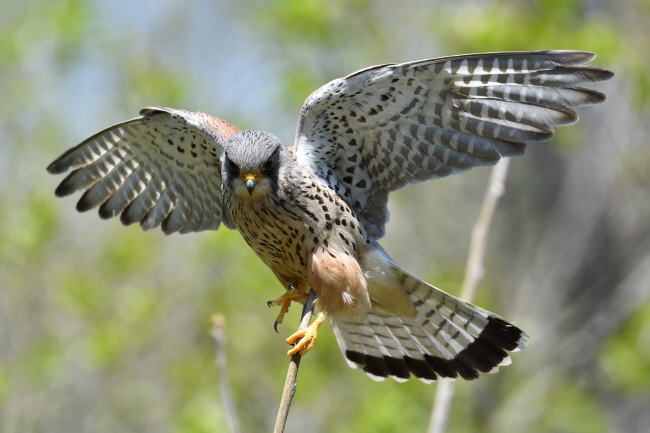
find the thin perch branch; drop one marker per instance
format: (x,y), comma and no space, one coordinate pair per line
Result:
(290,383)
(219,335)
(474,271)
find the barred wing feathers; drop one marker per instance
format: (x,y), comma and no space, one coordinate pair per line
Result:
(162,168)
(384,127)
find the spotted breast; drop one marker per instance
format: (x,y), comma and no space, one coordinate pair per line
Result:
(308,236)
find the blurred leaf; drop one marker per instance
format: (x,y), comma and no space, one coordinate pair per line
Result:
(154,83)
(299,83)
(61,24)
(69,24)
(573,409)
(128,252)
(539,25)
(45,362)
(26,228)
(313,21)
(388,410)
(201,413)
(626,355)
(106,343)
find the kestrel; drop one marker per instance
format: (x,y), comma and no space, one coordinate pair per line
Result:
(314,213)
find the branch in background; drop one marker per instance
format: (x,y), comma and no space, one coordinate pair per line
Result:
(219,335)
(474,271)
(290,383)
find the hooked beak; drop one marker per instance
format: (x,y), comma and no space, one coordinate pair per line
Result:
(251,180)
(250,186)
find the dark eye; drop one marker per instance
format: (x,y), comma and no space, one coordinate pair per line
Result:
(232,166)
(267,165)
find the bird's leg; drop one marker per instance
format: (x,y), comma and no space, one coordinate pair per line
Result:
(307,336)
(284,301)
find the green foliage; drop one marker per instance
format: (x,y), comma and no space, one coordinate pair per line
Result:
(387,410)
(128,251)
(298,84)
(572,409)
(626,355)
(69,24)
(61,23)
(314,21)
(201,413)
(26,228)
(538,25)
(45,362)
(154,83)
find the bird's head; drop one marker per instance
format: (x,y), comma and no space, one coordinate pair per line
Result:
(251,164)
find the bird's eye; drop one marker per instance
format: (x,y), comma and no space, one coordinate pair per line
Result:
(232,166)
(268,165)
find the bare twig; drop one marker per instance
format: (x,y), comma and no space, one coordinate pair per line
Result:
(474,272)
(290,383)
(219,335)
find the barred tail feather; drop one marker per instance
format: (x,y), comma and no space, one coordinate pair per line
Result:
(448,337)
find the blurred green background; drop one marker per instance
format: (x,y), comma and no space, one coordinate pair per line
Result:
(106,329)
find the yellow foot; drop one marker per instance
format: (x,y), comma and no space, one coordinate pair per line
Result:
(284,301)
(307,337)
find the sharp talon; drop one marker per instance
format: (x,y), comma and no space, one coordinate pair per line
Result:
(284,301)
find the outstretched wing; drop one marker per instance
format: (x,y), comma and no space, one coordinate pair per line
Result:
(160,168)
(384,127)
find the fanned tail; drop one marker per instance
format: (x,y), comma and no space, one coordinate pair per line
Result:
(447,337)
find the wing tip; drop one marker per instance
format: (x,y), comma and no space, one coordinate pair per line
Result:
(150,111)
(60,165)
(572,57)
(63,190)
(67,186)
(84,205)
(602,74)
(55,167)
